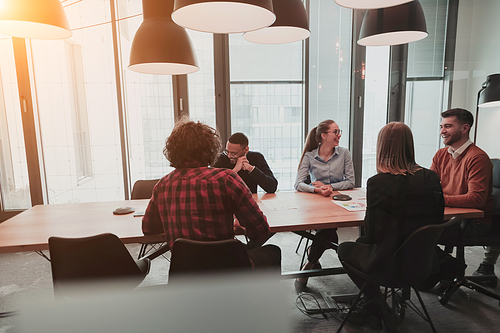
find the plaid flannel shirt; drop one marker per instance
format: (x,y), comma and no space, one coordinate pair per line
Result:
(199,203)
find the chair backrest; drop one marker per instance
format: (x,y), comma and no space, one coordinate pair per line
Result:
(91,259)
(195,257)
(496,185)
(412,262)
(143,189)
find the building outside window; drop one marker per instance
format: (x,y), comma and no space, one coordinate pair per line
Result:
(14,182)
(267,102)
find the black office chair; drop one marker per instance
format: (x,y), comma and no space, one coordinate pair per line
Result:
(409,266)
(88,260)
(477,283)
(191,257)
(143,189)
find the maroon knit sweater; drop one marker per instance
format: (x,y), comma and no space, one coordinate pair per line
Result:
(466,180)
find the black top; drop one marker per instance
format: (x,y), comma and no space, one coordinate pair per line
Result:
(261,174)
(397,205)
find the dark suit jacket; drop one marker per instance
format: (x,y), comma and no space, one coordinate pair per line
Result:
(261,174)
(397,205)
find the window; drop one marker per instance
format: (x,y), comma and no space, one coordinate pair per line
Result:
(266,97)
(375,115)
(201,84)
(148,104)
(77,108)
(330,65)
(14,182)
(426,84)
(423,105)
(99,126)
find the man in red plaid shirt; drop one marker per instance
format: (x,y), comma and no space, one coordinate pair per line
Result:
(198,202)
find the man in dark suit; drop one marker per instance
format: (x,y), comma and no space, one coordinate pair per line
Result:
(249,165)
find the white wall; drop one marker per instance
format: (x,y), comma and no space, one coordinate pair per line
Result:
(477,55)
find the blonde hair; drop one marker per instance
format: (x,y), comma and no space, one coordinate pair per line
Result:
(395,150)
(314,139)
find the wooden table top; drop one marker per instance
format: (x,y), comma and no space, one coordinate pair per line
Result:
(285,211)
(31,229)
(297,211)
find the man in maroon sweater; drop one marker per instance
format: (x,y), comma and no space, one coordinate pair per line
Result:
(466,177)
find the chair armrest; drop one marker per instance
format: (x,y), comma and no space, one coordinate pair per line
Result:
(156,253)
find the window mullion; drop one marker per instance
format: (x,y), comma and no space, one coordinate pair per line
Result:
(222,85)
(28,121)
(357,106)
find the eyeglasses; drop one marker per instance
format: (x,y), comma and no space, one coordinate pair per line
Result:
(337,132)
(231,154)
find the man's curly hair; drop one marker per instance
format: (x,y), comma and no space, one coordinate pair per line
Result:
(192,144)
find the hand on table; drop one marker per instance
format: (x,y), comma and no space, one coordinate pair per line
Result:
(325,190)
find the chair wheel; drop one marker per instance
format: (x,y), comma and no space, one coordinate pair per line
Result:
(401,311)
(443,300)
(400,308)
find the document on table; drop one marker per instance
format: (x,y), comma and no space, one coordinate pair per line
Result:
(357,203)
(358,195)
(139,212)
(278,204)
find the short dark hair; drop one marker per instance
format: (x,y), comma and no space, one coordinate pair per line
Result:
(463,116)
(192,144)
(239,138)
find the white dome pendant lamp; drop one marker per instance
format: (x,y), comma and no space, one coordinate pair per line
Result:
(160,46)
(291,24)
(34,19)
(223,16)
(393,25)
(369,4)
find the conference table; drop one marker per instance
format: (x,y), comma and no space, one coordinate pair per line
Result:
(300,212)
(285,212)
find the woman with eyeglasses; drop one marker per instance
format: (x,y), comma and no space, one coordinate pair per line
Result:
(324,167)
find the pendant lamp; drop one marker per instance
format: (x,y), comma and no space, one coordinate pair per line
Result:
(34,19)
(291,24)
(488,96)
(223,16)
(393,25)
(369,4)
(160,46)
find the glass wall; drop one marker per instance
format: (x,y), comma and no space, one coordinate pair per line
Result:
(267,102)
(77,109)
(330,65)
(101,126)
(14,182)
(375,115)
(147,103)
(425,88)
(423,107)
(201,84)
